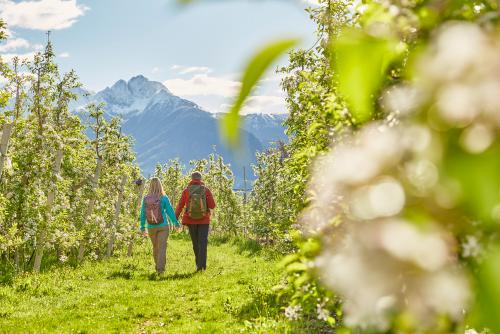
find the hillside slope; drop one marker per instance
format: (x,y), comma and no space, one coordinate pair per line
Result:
(166,126)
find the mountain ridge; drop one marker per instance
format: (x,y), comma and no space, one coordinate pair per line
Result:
(166,126)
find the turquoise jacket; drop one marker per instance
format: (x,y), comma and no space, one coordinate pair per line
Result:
(166,211)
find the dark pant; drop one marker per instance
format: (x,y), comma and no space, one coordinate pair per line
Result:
(199,238)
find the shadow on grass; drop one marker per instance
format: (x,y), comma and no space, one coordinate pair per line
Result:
(177,276)
(7,277)
(168,277)
(263,304)
(244,245)
(219,239)
(248,246)
(129,266)
(125,274)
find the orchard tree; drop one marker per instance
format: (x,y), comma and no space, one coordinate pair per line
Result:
(61,192)
(270,211)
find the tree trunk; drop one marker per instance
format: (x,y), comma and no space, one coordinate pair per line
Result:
(81,251)
(4,145)
(137,206)
(16,260)
(58,252)
(40,241)
(130,249)
(90,208)
(116,218)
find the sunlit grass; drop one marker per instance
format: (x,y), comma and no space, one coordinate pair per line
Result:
(124,295)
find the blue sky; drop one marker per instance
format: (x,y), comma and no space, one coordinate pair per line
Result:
(198,51)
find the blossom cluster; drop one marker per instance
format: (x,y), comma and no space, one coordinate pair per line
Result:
(376,196)
(378,260)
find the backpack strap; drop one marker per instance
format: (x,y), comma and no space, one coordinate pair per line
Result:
(206,204)
(187,199)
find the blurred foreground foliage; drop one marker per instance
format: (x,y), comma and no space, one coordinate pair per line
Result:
(392,167)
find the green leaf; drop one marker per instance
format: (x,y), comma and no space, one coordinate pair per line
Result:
(310,248)
(489,291)
(296,266)
(478,180)
(362,61)
(255,69)
(302,280)
(288,259)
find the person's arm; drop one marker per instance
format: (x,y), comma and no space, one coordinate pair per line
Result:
(181,204)
(143,217)
(170,211)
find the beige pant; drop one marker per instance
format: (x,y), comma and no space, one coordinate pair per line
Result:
(159,237)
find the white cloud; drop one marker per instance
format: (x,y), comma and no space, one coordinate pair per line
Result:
(8,57)
(274,78)
(18,47)
(14,44)
(312,2)
(179,69)
(64,55)
(204,85)
(263,103)
(216,93)
(155,70)
(41,14)
(260,104)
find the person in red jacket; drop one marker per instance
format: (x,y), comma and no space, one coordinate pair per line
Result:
(197,202)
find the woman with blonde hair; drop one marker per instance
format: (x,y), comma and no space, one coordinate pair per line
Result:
(156,210)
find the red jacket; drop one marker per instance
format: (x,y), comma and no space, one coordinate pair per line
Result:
(186,220)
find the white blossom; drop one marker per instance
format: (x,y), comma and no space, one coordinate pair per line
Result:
(402,99)
(378,261)
(471,331)
(355,177)
(390,265)
(293,312)
(471,247)
(322,313)
(461,71)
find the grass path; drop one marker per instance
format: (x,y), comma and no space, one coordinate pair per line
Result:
(121,295)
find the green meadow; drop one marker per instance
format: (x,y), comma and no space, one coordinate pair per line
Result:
(124,295)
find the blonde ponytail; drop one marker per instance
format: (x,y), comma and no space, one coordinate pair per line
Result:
(155,187)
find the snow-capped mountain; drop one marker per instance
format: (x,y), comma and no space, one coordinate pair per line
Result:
(268,128)
(124,98)
(166,126)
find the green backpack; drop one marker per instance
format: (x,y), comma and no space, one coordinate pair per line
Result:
(197,202)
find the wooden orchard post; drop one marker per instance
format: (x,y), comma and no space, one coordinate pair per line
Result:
(90,207)
(116,218)
(4,145)
(137,207)
(40,242)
